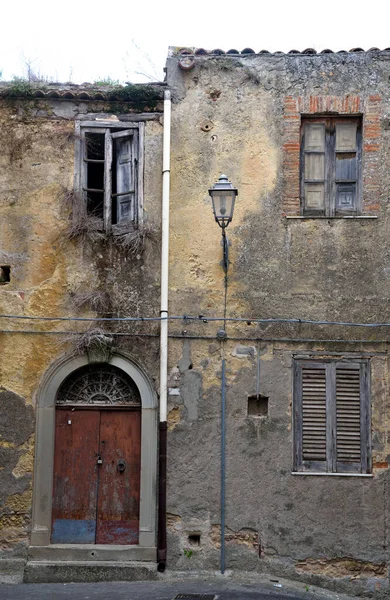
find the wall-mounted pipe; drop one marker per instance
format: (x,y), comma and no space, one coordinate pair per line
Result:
(223,463)
(162,466)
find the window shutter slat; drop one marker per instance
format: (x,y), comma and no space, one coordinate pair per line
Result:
(313,414)
(348,415)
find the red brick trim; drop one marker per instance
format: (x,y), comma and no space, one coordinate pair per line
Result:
(371,108)
(291,152)
(371,157)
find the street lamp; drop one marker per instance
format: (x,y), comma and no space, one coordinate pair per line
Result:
(223,196)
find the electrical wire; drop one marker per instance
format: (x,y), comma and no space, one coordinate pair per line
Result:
(199,318)
(203,337)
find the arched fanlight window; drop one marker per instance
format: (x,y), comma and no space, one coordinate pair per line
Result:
(98,384)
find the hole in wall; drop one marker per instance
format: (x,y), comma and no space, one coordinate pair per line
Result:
(194,539)
(5,274)
(257,406)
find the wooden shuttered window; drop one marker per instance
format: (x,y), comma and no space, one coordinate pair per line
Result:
(111,174)
(331,166)
(331,417)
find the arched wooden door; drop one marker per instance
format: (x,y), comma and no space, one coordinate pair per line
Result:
(96,488)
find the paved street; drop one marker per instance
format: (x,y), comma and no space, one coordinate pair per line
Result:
(219,588)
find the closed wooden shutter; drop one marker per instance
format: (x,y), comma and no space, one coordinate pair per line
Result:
(331,166)
(314,167)
(332,416)
(346,166)
(348,417)
(313,414)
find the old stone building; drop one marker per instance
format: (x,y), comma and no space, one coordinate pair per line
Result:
(284,356)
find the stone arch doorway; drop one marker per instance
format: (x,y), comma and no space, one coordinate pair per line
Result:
(97,458)
(102,390)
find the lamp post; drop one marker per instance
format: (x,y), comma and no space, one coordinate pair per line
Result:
(223,196)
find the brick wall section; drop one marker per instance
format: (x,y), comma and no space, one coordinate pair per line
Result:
(291,146)
(342,105)
(371,154)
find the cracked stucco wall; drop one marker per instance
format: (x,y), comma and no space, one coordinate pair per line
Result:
(229,117)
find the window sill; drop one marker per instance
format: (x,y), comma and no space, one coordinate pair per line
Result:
(311,473)
(305,217)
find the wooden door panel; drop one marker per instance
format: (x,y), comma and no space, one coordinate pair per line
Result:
(119,492)
(75,477)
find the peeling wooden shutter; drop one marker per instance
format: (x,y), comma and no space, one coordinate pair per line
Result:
(313,414)
(331,166)
(348,418)
(314,167)
(126,175)
(332,416)
(346,166)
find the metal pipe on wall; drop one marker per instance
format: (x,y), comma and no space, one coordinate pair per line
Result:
(165,257)
(223,464)
(162,463)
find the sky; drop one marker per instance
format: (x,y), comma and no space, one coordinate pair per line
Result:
(85,41)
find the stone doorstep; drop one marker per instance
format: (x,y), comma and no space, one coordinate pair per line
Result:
(88,571)
(91,553)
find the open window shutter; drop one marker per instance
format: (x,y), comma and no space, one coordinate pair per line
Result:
(126,144)
(93,169)
(348,418)
(313,410)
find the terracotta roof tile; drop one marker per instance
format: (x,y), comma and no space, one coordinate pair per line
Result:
(177,51)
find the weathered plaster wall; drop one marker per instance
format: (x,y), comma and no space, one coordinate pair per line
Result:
(50,273)
(231,115)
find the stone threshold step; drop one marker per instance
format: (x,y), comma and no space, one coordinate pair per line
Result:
(91,571)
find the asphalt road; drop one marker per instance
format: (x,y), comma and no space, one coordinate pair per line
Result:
(159,590)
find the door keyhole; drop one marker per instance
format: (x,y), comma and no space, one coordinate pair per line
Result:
(99,460)
(121,465)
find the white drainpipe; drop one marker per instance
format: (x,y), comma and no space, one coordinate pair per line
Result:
(165,257)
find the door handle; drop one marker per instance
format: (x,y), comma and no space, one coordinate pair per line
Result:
(121,465)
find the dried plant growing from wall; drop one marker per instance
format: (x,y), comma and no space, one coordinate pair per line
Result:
(95,342)
(96,300)
(85,229)
(133,241)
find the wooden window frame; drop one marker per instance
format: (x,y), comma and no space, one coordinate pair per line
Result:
(331,464)
(330,153)
(112,131)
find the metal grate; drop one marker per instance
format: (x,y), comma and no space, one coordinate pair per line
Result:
(195,597)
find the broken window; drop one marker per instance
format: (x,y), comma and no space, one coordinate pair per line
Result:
(110,173)
(330,166)
(332,416)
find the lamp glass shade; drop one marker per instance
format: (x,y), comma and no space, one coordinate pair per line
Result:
(223,196)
